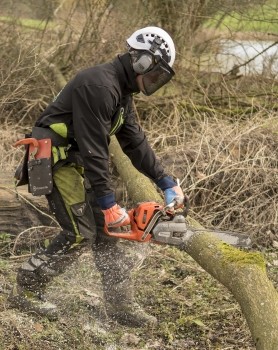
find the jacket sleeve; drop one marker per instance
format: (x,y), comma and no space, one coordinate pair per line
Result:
(92,109)
(135,145)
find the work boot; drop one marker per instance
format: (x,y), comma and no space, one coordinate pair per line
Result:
(31,303)
(32,279)
(129,314)
(121,306)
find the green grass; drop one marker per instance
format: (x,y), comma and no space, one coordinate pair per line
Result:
(28,23)
(256,19)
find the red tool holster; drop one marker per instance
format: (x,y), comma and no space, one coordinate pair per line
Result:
(36,167)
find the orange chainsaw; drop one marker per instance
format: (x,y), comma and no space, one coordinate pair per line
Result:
(151,222)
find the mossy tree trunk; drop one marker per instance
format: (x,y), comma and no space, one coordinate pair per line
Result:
(140,188)
(243,273)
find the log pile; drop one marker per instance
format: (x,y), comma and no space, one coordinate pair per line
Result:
(19,210)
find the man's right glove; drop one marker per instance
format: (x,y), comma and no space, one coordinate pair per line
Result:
(116,216)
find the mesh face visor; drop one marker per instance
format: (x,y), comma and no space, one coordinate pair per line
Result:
(158,76)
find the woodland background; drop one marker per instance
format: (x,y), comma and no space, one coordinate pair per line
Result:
(214,126)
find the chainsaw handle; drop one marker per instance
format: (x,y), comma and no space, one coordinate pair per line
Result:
(186,206)
(133,234)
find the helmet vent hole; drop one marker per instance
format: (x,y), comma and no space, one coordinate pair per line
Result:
(140,38)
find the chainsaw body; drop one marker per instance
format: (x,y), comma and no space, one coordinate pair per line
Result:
(142,220)
(151,222)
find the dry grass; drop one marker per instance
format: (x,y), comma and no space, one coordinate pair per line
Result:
(10,156)
(229,170)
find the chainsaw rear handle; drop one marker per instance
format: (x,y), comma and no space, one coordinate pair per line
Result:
(133,234)
(142,219)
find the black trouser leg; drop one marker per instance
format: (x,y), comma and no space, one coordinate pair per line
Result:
(111,261)
(62,250)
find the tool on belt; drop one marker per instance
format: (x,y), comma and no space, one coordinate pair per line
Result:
(152,222)
(36,168)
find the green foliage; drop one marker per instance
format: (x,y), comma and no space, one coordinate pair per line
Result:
(5,237)
(258,18)
(28,22)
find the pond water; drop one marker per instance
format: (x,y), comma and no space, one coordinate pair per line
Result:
(238,52)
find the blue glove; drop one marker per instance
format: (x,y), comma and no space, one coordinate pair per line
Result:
(174,194)
(172,191)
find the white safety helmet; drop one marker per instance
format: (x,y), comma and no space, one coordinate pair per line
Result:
(152,55)
(142,40)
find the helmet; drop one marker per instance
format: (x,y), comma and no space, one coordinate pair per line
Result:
(152,56)
(143,38)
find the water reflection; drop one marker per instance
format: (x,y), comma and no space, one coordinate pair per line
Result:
(236,53)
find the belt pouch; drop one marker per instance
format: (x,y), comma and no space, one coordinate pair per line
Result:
(40,168)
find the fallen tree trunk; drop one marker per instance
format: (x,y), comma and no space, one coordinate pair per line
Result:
(139,187)
(244,274)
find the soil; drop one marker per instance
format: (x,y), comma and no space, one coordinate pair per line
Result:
(194,311)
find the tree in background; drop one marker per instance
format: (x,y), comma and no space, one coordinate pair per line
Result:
(183,18)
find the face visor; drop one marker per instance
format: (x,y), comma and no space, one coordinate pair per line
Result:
(158,76)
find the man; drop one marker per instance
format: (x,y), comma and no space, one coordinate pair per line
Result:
(94,105)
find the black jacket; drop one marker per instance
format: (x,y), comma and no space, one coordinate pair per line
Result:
(92,105)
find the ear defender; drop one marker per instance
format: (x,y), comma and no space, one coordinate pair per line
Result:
(143,63)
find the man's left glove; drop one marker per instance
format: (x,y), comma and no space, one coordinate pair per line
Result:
(174,194)
(116,216)
(172,191)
